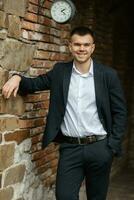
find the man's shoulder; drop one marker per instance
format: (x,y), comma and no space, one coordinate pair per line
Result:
(105,68)
(62,65)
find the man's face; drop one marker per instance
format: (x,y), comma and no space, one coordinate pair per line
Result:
(81,47)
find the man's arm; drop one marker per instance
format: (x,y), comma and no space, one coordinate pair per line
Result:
(24,85)
(118,112)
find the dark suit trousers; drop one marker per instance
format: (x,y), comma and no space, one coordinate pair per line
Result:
(92,162)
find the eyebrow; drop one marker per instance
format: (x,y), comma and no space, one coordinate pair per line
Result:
(85,44)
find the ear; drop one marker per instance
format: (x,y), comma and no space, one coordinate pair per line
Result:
(70,46)
(93,48)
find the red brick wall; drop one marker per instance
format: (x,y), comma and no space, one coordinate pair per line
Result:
(31,43)
(50,39)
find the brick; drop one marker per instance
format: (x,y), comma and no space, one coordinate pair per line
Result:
(28,25)
(16,7)
(64,42)
(42,169)
(8,123)
(38,36)
(47,4)
(38,155)
(64,34)
(32,8)
(6,193)
(37,97)
(36,130)
(54,170)
(42,29)
(34,1)
(25,34)
(47,173)
(65,27)
(36,139)
(64,49)
(29,123)
(45,20)
(35,114)
(55,40)
(55,32)
(2,18)
(49,181)
(36,147)
(29,106)
(14,175)
(45,12)
(35,27)
(55,56)
(54,163)
(42,161)
(31,17)
(17,136)
(51,156)
(7,161)
(14,26)
(64,57)
(43,63)
(51,148)
(49,47)
(38,105)
(35,72)
(42,54)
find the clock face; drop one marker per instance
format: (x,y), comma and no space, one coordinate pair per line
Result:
(61,11)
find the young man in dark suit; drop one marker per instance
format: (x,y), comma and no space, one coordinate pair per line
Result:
(87,110)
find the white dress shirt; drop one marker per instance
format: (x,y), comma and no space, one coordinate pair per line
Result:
(81,116)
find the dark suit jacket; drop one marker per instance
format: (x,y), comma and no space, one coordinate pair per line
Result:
(109,99)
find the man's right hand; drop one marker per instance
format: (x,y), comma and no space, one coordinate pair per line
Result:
(11,86)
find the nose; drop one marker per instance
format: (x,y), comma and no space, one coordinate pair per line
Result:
(82,47)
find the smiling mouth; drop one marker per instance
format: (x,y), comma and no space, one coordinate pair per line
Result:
(81,55)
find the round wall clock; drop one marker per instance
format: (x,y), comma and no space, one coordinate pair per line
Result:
(62,10)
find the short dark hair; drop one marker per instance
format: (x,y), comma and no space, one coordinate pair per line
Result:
(82,30)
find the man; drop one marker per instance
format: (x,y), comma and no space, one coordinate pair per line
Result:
(87,113)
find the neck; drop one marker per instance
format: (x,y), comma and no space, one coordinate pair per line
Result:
(83,67)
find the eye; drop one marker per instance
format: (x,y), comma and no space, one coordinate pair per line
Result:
(87,44)
(77,44)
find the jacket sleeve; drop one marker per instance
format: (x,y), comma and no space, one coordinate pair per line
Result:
(118,112)
(31,85)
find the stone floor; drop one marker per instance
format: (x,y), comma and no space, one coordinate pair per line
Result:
(122,186)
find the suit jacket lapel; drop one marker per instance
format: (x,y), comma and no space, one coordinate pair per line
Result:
(66,80)
(98,81)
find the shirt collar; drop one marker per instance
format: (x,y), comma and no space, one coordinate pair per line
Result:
(89,73)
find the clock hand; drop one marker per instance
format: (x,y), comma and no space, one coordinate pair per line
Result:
(63,11)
